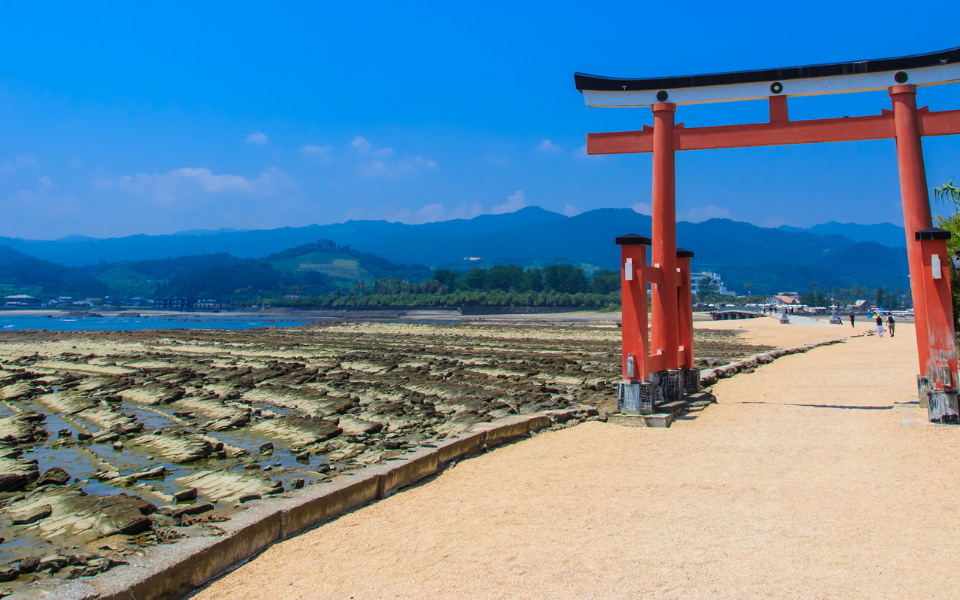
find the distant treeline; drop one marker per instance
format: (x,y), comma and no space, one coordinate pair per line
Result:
(506,285)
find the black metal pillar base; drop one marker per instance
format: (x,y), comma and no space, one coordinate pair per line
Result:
(942,406)
(691,380)
(635,398)
(924,386)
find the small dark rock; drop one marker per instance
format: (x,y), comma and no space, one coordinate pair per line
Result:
(54,476)
(185,509)
(8,573)
(83,436)
(297,484)
(187,494)
(248,498)
(29,564)
(266,448)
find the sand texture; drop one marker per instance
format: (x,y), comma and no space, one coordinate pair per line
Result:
(808,479)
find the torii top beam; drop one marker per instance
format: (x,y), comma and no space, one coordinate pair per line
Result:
(933,68)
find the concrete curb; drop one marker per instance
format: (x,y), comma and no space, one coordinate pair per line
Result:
(173,570)
(709,377)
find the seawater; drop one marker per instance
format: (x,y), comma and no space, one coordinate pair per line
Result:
(107,323)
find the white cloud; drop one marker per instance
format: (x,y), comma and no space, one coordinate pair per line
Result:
(257,137)
(570,210)
(581,152)
(549,147)
(704,213)
(396,169)
(380,163)
(514,203)
(361,145)
(643,208)
(182,185)
(437,211)
(315,149)
(365,148)
(45,182)
(20,162)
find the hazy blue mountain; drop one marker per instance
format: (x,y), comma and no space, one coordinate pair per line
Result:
(8,254)
(208,231)
(770,259)
(260,243)
(887,234)
(491,223)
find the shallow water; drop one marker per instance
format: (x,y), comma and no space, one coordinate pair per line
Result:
(54,323)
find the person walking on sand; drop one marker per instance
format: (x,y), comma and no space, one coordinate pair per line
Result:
(891,324)
(851,320)
(879,325)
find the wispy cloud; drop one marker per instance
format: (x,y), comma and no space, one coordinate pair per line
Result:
(380,162)
(643,208)
(365,148)
(257,137)
(315,149)
(549,147)
(514,203)
(704,213)
(437,211)
(15,164)
(183,185)
(581,152)
(571,210)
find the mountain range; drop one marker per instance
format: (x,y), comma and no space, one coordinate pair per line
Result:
(769,259)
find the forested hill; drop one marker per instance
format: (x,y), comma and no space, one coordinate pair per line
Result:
(308,269)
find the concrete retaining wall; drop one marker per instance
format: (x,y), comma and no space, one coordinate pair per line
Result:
(709,377)
(172,570)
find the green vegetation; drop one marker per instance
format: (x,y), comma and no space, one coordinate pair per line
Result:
(502,285)
(950,192)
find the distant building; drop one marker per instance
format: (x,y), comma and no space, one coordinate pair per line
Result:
(20,300)
(173,303)
(699,279)
(183,303)
(862,305)
(783,300)
(213,304)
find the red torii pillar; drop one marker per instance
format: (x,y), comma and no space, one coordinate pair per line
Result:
(927,255)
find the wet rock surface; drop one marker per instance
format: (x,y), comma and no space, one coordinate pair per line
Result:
(112,441)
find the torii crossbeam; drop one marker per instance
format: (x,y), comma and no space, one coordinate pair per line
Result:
(905,123)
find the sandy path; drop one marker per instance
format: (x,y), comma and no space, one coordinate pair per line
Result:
(803,482)
(768,331)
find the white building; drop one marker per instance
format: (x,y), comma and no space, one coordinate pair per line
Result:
(697,279)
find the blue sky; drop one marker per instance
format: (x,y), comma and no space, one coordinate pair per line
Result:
(119,119)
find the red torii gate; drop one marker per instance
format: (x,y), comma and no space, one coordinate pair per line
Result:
(666,368)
